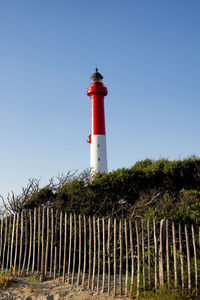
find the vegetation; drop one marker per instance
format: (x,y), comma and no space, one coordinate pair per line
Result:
(158,189)
(7,279)
(165,293)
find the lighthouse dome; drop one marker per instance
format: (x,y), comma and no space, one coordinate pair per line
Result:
(96,77)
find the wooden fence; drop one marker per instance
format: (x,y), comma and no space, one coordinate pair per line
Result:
(109,255)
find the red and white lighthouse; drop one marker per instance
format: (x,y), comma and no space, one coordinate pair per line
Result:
(97,138)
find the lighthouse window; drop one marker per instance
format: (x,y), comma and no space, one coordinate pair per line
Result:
(98,145)
(98,159)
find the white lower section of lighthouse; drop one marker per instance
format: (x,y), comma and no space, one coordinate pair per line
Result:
(98,155)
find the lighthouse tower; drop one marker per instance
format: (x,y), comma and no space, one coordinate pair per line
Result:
(97,138)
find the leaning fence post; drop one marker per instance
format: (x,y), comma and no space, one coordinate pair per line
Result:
(5,241)
(156,254)
(21,241)
(138,260)
(38,252)
(60,243)
(52,237)
(132,257)
(149,254)
(174,252)
(47,243)
(65,246)
(56,245)
(43,251)
(1,236)
(16,243)
(161,254)
(70,247)
(126,245)
(195,257)
(104,255)
(25,250)
(90,249)
(8,249)
(115,256)
(12,241)
(181,255)
(143,256)
(79,249)
(94,249)
(85,253)
(34,235)
(188,258)
(98,256)
(108,252)
(74,255)
(167,251)
(120,256)
(30,242)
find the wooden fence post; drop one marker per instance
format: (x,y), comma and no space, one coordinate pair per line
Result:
(181,255)
(161,279)
(132,257)
(156,254)
(34,236)
(8,249)
(120,256)
(79,249)
(5,241)
(70,247)
(115,256)
(74,255)
(1,237)
(167,251)
(174,252)
(108,252)
(98,255)
(25,250)
(60,243)
(195,258)
(52,237)
(85,245)
(16,243)
(12,241)
(188,258)
(39,232)
(30,242)
(104,256)
(90,249)
(56,244)
(47,243)
(138,260)
(21,241)
(94,250)
(143,256)
(43,247)
(65,246)
(126,245)
(149,254)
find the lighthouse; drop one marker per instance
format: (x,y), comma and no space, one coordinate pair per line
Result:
(97,137)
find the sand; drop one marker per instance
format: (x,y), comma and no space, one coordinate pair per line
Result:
(25,288)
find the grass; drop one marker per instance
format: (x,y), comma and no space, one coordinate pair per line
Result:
(5,281)
(33,280)
(166,293)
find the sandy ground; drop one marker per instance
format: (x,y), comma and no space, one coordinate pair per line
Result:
(24,288)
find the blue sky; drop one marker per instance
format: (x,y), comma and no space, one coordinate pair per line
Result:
(149,54)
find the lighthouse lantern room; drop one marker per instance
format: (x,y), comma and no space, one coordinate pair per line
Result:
(97,137)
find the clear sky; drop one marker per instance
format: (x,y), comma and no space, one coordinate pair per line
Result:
(149,54)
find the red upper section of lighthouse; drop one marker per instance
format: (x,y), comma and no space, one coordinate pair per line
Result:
(96,92)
